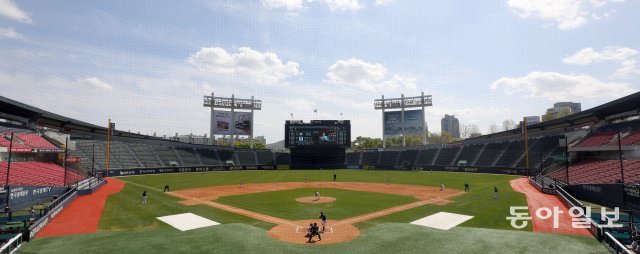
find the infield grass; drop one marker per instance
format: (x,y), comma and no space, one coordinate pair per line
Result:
(282,204)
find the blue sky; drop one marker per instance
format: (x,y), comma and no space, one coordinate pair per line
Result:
(147,64)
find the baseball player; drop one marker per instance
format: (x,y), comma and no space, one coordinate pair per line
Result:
(324,220)
(144,197)
(317,196)
(441,187)
(495,192)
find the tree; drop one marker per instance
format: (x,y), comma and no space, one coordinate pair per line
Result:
(508,124)
(470,130)
(441,138)
(366,143)
(246,144)
(493,128)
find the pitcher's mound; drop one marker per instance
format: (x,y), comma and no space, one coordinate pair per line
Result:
(314,200)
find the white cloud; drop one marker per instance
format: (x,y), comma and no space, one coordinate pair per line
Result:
(589,55)
(565,14)
(628,69)
(264,68)
(95,82)
(344,5)
(289,5)
(9,9)
(367,76)
(558,87)
(383,2)
(10,33)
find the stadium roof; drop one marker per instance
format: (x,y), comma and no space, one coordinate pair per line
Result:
(627,104)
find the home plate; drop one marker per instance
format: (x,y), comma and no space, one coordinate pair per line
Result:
(187,221)
(442,220)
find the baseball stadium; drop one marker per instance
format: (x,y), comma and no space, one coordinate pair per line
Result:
(327,127)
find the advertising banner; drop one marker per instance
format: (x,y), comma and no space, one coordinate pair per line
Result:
(25,194)
(413,122)
(222,123)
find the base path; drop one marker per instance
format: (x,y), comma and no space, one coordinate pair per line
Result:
(83,214)
(336,230)
(536,200)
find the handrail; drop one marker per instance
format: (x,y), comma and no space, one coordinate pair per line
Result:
(59,199)
(568,197)
(12,245)
(619,247)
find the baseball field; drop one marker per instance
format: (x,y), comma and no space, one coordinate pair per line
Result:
(268,212)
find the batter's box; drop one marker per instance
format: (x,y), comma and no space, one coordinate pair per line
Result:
(327,230)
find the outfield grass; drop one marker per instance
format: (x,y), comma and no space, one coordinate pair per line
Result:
(282,204)
(127,226)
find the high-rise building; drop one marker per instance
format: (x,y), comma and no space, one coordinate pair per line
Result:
(450,124)
(574,106)
(426,129)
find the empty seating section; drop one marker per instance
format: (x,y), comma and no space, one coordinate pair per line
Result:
(539,150)
(246,157)
(632,139)
(469,153)
(600,172)
(145,154)
(597,139)
(426,157)
(283,158)
(408,157)
(188,157)
(369,158)
(514,151)
(445,157)
(38,174)
(87,146)
(85,162)
(388,157)
(208,157)
(489,154)
(166,154)
(264,157)
(225,155)
(17,144)
(34,140)
(353,158)
(7,129)
(122,153)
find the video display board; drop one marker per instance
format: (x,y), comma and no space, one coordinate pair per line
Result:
(318,132)
(222,123)
(413,122)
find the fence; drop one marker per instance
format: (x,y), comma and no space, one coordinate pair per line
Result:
(12,245)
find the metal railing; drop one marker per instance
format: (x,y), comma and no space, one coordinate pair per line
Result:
(614,245)
(58,200)
(12,245)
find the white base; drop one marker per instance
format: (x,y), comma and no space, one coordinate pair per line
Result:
(187,221)
(442,220)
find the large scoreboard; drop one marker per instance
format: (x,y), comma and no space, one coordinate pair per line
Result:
(317,133)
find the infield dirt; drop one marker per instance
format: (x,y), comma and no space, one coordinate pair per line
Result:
(337,230)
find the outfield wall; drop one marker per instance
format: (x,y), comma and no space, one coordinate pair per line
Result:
(466,169)
(168,170)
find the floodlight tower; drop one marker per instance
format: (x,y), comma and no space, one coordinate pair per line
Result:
(232,126)
(392,124)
